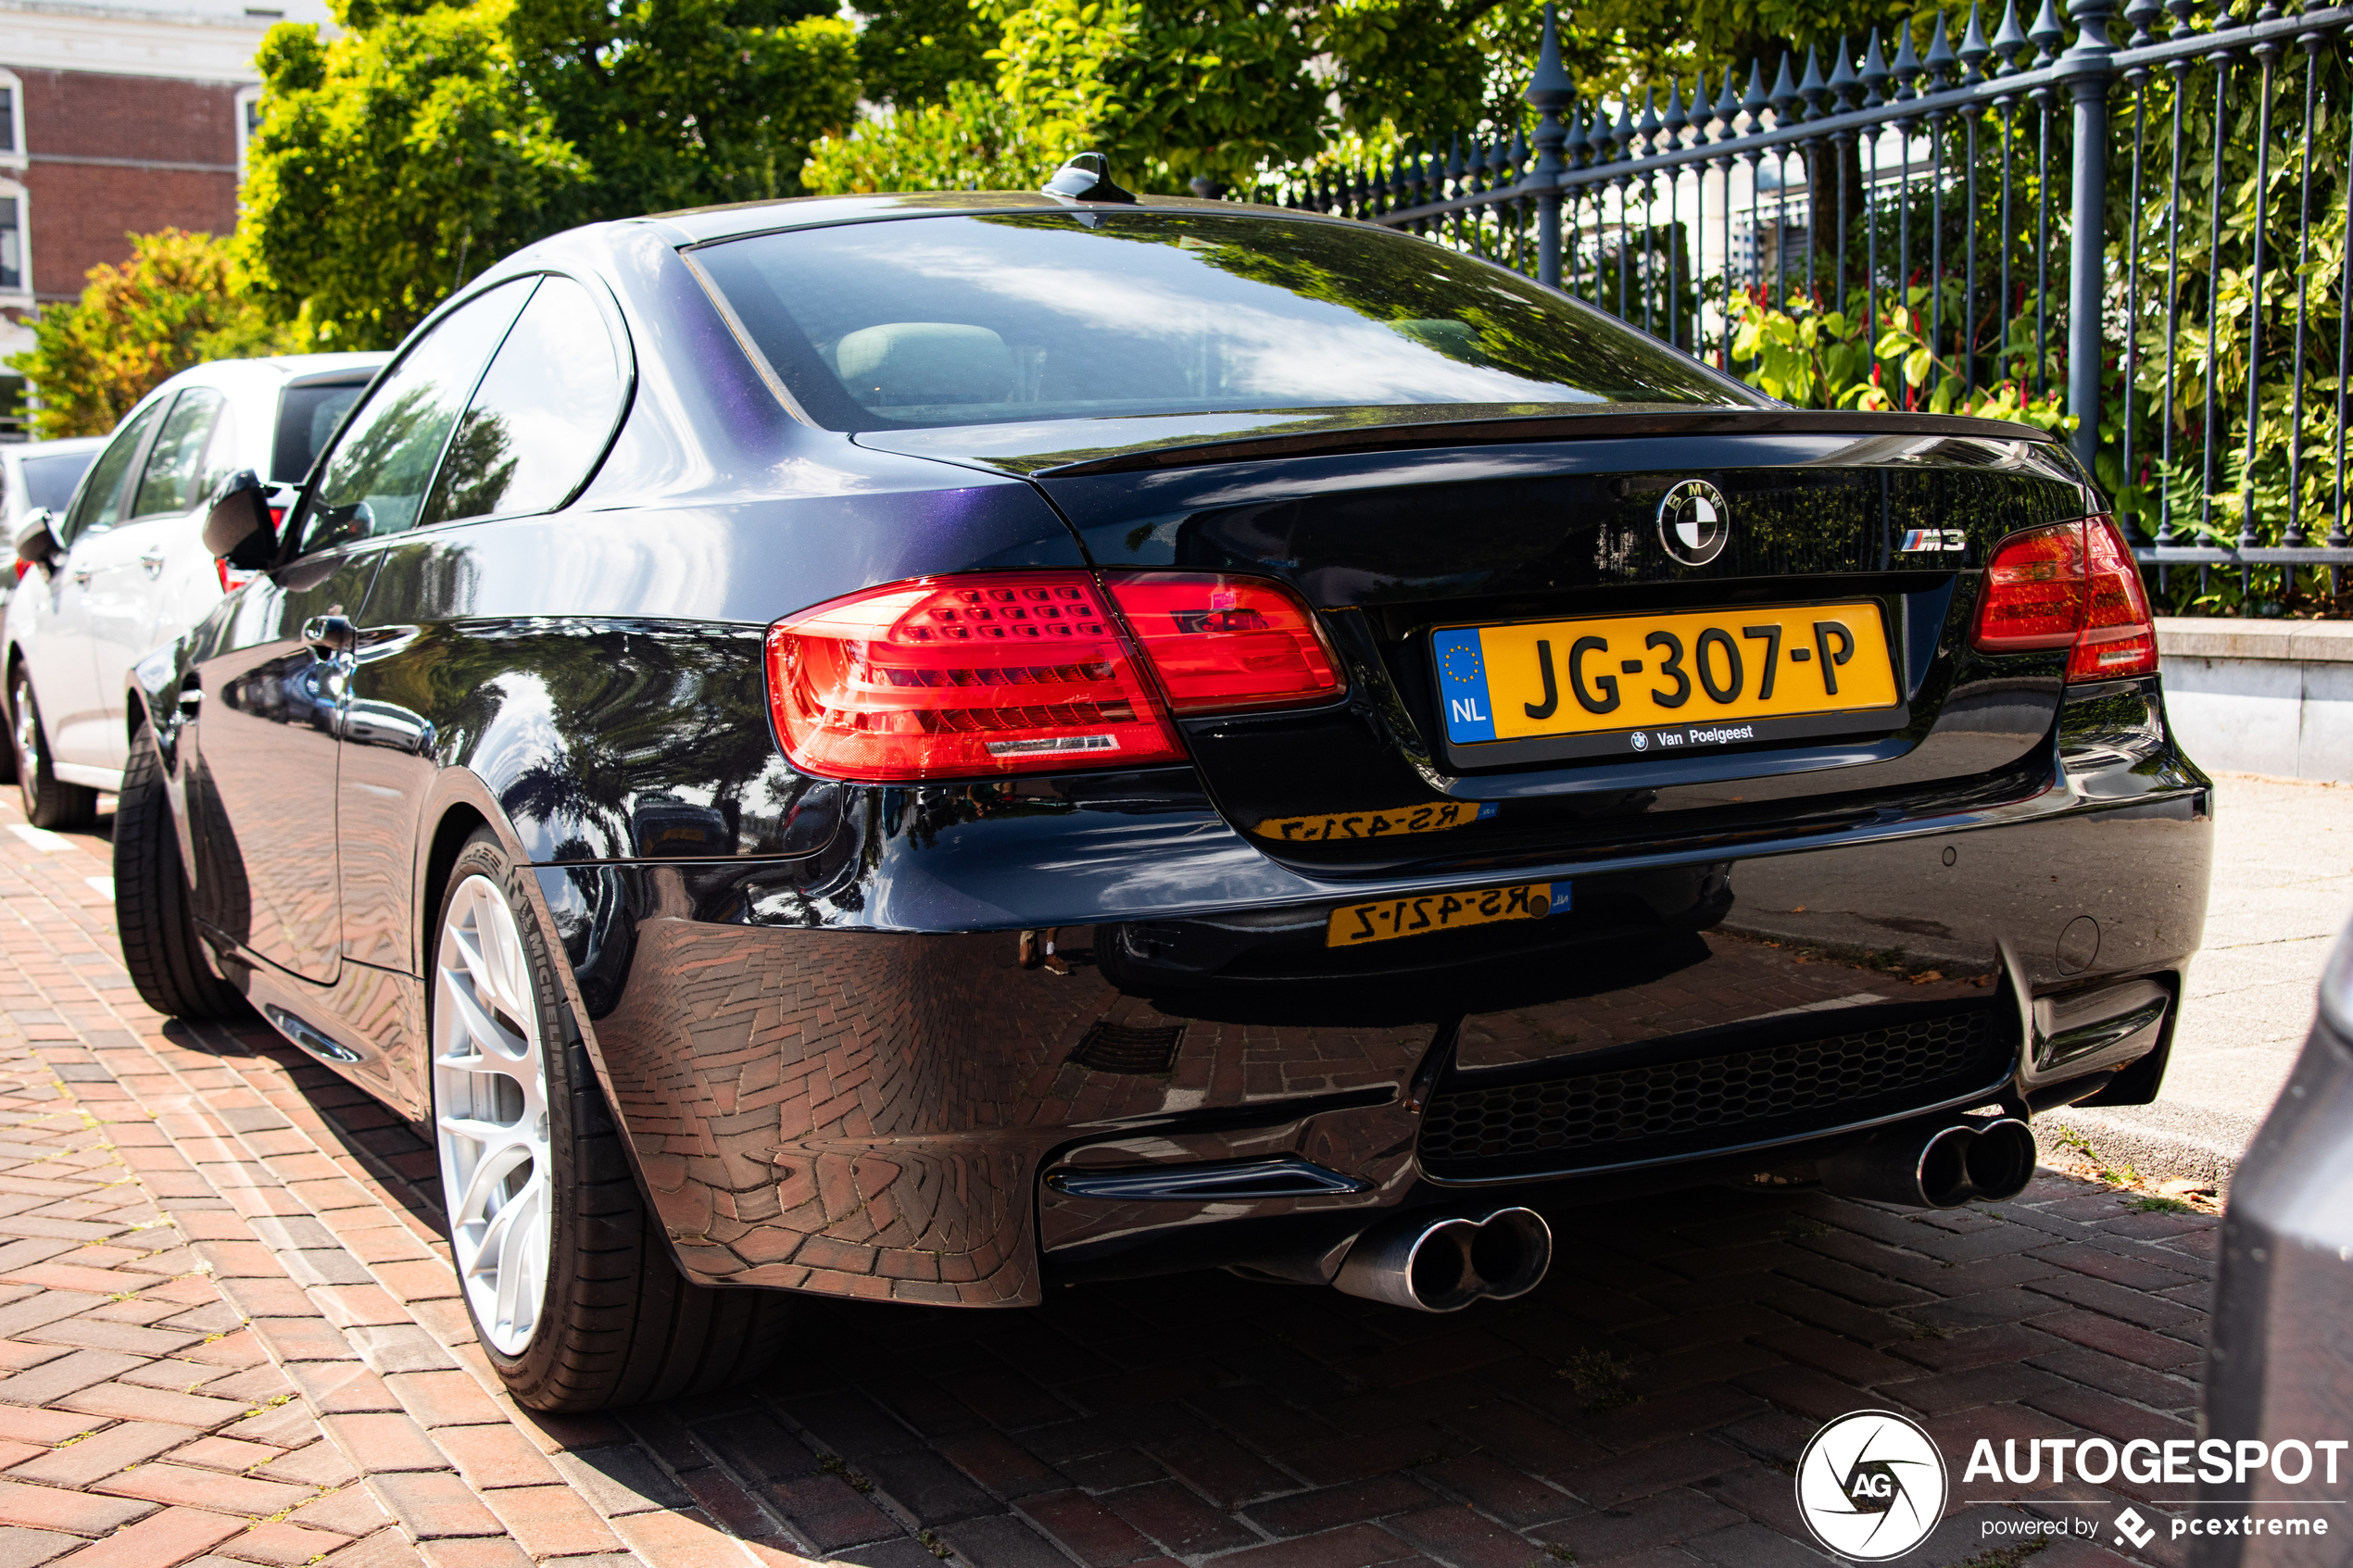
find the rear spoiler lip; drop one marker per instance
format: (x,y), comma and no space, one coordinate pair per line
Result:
(1714,421)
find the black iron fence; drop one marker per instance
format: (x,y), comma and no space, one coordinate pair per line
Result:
(2150,237)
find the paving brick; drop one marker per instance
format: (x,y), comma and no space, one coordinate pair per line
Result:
(280,1545)
(482,1551)
(1358,1546)
(180,1486)
(54,1380)
(43,1508)
(385,1441)
(680,1540)
(164,1541)
(29,1549)
(551,1521)
(132,1442)
(496,1456)
(431,1504)
(124,1401)
(442,1398)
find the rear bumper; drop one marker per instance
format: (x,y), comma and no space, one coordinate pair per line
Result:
(818,1104)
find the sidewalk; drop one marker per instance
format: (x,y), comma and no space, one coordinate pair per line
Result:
(230,1335)
(2283,889)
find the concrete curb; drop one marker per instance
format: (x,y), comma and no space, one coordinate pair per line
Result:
(2159,1142)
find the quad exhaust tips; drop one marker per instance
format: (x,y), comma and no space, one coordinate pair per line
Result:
(1927,1165)
(1442,1263)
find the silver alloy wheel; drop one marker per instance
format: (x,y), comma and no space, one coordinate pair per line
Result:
(490,1113)
(28,738)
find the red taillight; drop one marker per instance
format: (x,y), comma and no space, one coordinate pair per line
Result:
(23,567)
(1032,671)
(964,677)
(2071,585)
(231,577)
(2119,637)
(1227,644)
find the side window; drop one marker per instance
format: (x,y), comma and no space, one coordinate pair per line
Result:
(169,483)
(375,479)
(219,456)
(100,503)
(542,415)
(307,416)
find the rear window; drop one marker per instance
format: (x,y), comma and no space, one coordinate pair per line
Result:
(49,482)
(307,416)
(956,320)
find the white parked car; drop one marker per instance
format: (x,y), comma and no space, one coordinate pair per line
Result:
(38,476)
(123,568)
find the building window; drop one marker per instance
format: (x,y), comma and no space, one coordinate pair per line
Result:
(248,121)
(11,119)
(11,244)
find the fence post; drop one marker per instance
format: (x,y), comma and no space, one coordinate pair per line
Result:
(2087,73)
(1549,91)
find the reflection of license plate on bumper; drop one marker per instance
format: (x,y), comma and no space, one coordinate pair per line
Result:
(1383,920)
(1664,683)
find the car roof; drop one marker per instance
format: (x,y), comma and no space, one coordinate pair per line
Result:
(702,225)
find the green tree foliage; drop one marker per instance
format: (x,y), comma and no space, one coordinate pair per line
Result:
(172,305)
(429,139)
(391,162)
(970,140)
(912,51)
(684,103)
(1228,88)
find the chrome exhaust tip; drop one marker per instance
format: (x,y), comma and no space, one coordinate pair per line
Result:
(1444,1264)
(1923,1165)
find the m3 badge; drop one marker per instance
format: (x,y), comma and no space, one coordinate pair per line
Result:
(1937,539)
(1694,522)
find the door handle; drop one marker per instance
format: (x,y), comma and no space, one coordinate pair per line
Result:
(330,633)
(153,560)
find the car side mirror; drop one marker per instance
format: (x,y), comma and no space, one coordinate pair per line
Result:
(36,542)
(237,529)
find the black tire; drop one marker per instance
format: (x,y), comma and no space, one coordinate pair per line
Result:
(617,1325)
(151,903)
(49,801)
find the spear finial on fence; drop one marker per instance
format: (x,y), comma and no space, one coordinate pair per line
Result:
(1785,98)
(2144,16)
(2010,40)
(1942,63)
(1845,86)
(1518,154)
(1676,122)
(1581,150)
(1816,95)
(1874,74)
(1650,126)
(1754,103)
(1727,110)
(2180,10)
(1908,65)
(2048,34)
(1549,91)
(1975,51)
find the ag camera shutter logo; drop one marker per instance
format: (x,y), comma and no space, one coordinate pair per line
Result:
(1872,1485)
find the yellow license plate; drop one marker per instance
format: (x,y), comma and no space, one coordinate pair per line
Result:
(1435,817)
(1385,919)
(1710,669)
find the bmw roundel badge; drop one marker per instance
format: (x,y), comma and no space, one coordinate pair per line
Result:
(1694,522)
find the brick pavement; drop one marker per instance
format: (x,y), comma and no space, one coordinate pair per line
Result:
(230,1336)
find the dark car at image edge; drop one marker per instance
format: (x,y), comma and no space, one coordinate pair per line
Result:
(928,747)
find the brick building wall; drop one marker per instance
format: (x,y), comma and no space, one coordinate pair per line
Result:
(109,156)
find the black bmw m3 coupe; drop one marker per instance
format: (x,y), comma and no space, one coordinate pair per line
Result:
(926,747)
